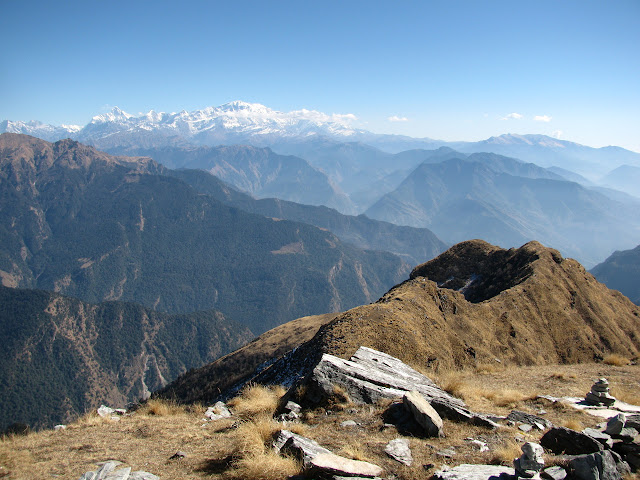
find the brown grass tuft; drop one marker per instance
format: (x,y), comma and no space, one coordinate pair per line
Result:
(486,368)
(340,399)
(161,408)
(256,400)
(573,424)
(616,359)
(508,397)
(506,453)
(452,381)
(354,451)
(267,465)
(563,376)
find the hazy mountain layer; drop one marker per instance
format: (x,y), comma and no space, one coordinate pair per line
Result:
(508,203)
(414,245)
(525,306)
(258,171)
(62,357)
(85,224)
(625,178)
(621,271)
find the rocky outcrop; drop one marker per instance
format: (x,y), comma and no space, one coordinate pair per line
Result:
(371,375)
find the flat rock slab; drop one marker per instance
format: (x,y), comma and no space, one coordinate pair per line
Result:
(554,473)
(370,376)
(301,447)
(335,464)
(476,472)
(108,472)
(604,412)
(528,418)
(399,450)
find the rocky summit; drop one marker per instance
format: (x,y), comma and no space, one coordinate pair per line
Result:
(474,304)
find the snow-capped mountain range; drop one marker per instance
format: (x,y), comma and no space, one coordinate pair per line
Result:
(234,118)
(307,133)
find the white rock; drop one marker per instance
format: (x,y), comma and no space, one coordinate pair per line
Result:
(105,411)
(328,462)
(399,450)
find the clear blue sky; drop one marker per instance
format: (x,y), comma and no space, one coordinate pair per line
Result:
(452,70)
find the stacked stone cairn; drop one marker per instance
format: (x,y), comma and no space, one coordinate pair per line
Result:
(599,394)
(529,464)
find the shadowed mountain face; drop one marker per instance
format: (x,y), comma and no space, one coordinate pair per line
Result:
(525,306)
(509,203)
(621,271)
(62,357)
(97,227)
(413,245)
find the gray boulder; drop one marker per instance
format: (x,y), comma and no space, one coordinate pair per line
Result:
(602,437)
(561,440)
(107,471)
(423,413)
(615,424)
(597,466)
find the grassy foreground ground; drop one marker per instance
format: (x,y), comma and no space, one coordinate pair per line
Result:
(239,447)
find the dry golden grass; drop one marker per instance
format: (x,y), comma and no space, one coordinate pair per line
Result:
(506,453)
(508,397)
(573,424)
(257,399)
(467,386)
(627,393)
(266,465)
(161,408)
(231,449)
(354,451)
(563,376)
(484,368)
(616,359)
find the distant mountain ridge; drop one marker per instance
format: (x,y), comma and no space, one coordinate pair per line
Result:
(621,271)
(258,171)
(508,202)
(97,227)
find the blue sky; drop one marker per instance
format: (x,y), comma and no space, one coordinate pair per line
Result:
(452,70)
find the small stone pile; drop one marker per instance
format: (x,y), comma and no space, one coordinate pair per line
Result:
(530,462)
(599,394)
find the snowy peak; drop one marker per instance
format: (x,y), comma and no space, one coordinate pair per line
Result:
(115,115)
(38,129)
